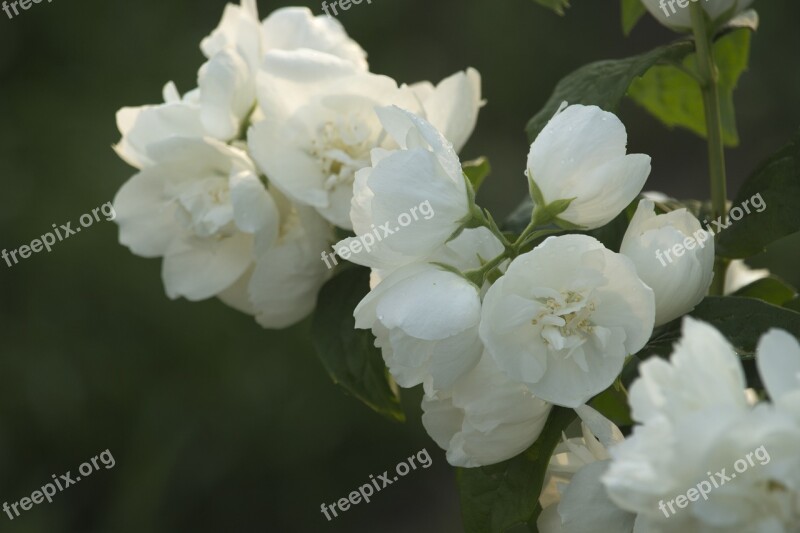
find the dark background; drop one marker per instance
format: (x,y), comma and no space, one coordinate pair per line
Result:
(215,424)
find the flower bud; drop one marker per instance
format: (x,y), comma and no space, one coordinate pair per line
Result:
(676,14)
(674,255)
(581,156)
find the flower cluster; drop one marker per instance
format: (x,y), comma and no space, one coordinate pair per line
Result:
(289,144)
(242,181)
(695,417)
(495,334)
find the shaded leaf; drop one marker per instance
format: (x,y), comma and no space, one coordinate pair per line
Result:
(771,290)
(673,96)
(604,83)
(476,171)
(348,354)
(741,320)
(556,5)
(777,181)
(632,12)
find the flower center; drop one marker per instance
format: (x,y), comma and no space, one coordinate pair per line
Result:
(565,322)
(205,208)
(342,148)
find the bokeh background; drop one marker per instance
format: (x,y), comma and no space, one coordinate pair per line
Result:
(215,424)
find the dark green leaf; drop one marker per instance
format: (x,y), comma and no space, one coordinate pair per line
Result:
(741,320)
(503,497)
(632,11)
(744,320)
(349,354)
(672,94)
(477,170)
(777,181)
(604,83)
(794,304)
(613,404)
(556,5)
(771,290)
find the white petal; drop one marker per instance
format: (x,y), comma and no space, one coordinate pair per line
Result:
(586,508)
(291,28)
(239,29)
(452,107)
(778,360)
(253,207)
(143,126)
(201,268)
(289,274)
(145,217)
(432,305)
(227,93)
(236,295)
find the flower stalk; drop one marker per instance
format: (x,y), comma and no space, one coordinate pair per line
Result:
(709,86)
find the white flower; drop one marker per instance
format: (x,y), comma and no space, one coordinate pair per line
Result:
(703,371)
(322,124)
(677,14)
(739,275)
(199,205)
(573,499)
(226,94)
(673,255)
(696,421)
(485,418)
(235,50)
(288,273)
(424,170)
(581,154)
(426,323)
(565,316)
(425,319)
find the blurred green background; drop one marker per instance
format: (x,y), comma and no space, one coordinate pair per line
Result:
(215,424)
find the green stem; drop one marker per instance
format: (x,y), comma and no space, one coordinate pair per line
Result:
(709,86)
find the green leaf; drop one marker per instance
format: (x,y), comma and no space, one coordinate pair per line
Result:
(556,5)
(771,290)
(604,83)
(672,94)
(744,320)
(632,11)
(777,181)
(503,497)
(348,354)
(476,171)
(741,320)
(613,404)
